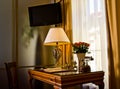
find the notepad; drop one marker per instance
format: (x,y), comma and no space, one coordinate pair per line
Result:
(57,69)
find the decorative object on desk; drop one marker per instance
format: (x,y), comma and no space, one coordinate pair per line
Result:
(86,66)
(81,57)
(55,37)
(80,48)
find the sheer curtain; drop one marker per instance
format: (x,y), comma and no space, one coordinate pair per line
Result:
(89,25)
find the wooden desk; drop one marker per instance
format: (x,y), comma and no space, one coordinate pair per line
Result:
(65,80)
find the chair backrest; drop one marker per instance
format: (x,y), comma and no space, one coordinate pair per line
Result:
(11,69)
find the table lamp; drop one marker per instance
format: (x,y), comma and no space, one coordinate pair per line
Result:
(56,36)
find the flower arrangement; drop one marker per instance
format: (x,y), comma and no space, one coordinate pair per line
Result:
(81,47)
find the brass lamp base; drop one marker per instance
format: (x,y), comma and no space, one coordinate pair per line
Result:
(57,53)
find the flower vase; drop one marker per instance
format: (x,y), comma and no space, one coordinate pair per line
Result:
(81,57)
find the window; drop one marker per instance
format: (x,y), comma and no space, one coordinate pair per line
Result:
(89,25)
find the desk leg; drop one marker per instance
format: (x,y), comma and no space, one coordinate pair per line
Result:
(56,87)
(30,81)
(100,84)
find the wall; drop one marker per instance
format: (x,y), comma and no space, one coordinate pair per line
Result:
(6,31)
(5,38)
(30,45)
(26,54)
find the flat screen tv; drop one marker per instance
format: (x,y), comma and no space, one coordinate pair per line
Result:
(48,14)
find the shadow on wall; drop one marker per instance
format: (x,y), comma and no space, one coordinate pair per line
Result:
(43,57)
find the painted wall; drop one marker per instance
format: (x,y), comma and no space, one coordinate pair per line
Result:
(5,31)
(27,43)
(26,54)
(30,46)
(5,38)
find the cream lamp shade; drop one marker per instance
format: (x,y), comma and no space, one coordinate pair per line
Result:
(56,36)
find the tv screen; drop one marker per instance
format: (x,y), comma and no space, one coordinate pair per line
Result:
(48,14)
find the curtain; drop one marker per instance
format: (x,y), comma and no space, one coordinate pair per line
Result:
(66,60)
(89,25)
(68,30)
(113,21)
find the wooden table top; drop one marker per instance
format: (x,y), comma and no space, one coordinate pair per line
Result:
(68,78)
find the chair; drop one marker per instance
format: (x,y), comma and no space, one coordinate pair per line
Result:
(11,70)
